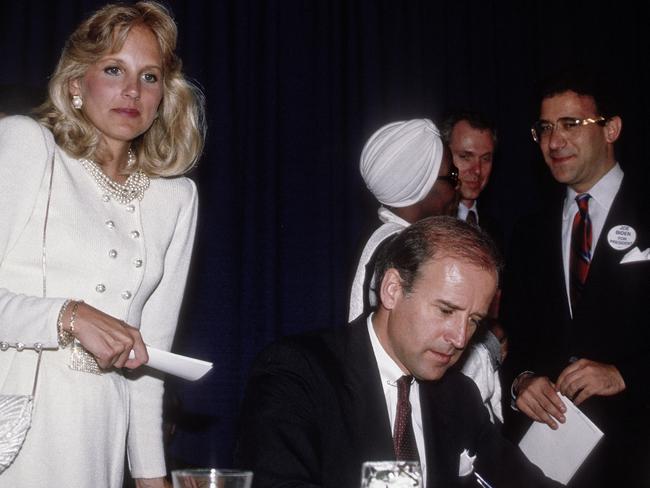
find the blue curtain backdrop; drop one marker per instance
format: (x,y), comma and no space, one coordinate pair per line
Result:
(294,88)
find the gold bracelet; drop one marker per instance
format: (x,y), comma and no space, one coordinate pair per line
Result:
(64,337)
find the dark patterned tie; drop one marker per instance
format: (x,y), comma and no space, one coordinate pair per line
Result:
(471,218)
(403,436)
(580,248)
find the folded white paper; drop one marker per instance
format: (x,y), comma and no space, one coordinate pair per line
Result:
(559,453)
(635,255)
(175,364)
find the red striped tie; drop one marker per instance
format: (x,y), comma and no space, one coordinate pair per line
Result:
(403,435)
(580,248)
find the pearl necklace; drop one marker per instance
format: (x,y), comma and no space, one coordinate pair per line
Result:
(134,186)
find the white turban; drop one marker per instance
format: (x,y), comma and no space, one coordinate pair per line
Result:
(401,161)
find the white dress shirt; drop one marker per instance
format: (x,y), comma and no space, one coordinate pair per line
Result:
(390,372)
(602,196)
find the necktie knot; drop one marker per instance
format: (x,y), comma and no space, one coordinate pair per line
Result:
(404,387)
(583,203)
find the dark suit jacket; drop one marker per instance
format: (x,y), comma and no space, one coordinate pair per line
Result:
(493,228)
(314,411)
(611,324)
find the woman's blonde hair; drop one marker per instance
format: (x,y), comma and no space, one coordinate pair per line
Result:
(173,143)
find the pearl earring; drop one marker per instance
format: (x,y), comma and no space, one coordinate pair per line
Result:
(77,101)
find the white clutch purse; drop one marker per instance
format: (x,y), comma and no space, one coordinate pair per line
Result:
(16,415)
(15,420)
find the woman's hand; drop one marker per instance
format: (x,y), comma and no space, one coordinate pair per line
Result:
(108,339)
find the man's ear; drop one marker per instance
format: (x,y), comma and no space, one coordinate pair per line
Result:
(390,290)
(613,129)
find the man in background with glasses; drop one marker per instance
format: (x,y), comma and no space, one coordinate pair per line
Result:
(576,295)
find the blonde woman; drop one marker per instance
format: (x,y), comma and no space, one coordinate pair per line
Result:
(102,167)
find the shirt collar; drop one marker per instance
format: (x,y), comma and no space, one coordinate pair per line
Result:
(463,210)
(603,192)
(387,216)
(389,371)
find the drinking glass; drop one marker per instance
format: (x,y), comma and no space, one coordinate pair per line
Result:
(211,478)
(391,474)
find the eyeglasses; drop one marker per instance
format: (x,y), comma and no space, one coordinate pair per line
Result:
(544,128)
(451,178)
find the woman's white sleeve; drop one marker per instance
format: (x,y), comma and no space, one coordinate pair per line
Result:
(26,150)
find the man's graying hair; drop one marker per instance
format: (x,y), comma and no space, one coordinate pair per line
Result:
(435,238)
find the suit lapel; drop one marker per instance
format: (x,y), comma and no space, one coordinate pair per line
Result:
(365,408)
(551,240)
(442,458)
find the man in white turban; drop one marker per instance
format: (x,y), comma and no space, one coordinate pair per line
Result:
(409,171)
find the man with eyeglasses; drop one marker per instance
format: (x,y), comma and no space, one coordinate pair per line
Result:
(576,295)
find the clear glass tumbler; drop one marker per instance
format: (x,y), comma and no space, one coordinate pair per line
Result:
(391,474)
(211,478)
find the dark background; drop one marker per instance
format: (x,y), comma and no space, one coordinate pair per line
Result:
(294,88)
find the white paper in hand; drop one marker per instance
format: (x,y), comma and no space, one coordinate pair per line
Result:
(175,364)
(559,453)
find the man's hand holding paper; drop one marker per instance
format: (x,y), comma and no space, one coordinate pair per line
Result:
(584,378)
(537,397)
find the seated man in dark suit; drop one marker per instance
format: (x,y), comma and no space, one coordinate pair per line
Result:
(317,406)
